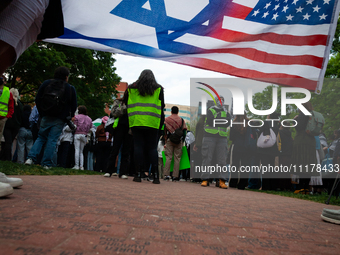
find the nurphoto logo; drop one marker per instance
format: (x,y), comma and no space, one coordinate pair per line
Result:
(238,99)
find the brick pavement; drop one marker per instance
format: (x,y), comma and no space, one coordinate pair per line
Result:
(80,215)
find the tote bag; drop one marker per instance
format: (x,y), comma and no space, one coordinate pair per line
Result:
(266,141)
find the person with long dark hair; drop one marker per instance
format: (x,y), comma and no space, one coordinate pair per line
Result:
(145,104)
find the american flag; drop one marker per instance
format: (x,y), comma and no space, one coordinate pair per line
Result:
(285,42)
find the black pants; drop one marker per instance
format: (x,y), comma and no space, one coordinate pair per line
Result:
(268,183)
(63,154)
(240,159)
(9,135)
(122,140)
(35,131)
(102,154)
(131,171)
(145,141)
(304,183)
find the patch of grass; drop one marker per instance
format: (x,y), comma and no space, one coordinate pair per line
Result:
(10,168)
(319,198)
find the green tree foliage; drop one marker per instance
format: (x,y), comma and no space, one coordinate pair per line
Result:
(264,101)
(328,103)
(33,67)
(336,41)
(92,74)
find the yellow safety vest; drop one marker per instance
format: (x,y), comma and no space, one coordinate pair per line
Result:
(4,98)
(216,130)
(144,111)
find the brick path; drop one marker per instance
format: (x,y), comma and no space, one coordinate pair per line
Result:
(74,215)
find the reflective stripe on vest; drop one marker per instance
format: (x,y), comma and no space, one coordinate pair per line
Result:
(4,98)
(216,130)
(144,111)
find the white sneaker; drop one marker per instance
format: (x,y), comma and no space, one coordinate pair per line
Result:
(47,167)
(182,180)
(29,162)
(123,177)
(5,189)
(75,167)
(114,174)
(14,182)
(107,175)
(82,168)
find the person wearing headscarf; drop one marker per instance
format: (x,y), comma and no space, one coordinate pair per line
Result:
(304,149)
(267,155)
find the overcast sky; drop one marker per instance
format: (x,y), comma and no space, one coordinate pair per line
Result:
(174,78)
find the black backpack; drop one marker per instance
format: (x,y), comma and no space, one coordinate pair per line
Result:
(53,100)
(176,136)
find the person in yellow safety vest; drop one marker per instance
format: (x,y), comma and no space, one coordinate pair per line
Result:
(6,105)
(215,143)
(145,105)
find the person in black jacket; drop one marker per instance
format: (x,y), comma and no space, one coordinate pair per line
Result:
(242,154)
(51,126)
(267,155)
(285,146)
(304,149)
(122,140)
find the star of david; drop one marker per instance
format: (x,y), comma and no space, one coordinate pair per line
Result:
(169,28)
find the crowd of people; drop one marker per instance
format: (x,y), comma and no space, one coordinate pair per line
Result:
(136,134)
(45,134)
(58,133)
(136,137)
(265,146)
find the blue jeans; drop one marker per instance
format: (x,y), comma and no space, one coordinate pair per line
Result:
(25,141)
(90,160)
(49,132)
